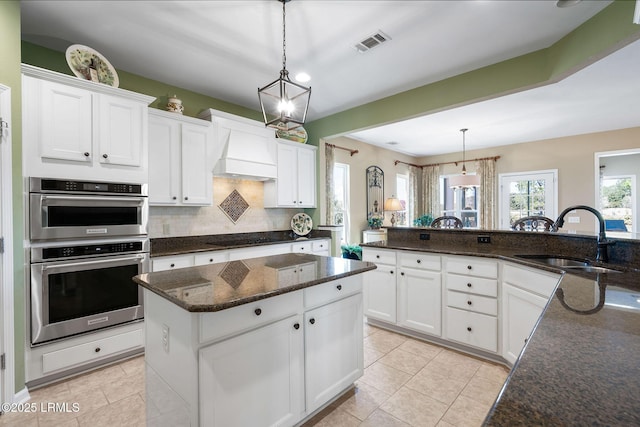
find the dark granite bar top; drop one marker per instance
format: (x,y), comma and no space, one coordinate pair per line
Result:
(216,242)
(215,287)
(581,366)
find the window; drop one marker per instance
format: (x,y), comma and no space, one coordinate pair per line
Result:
(402,193)
(341,199)
(526,194)
(462,203)
(617,195)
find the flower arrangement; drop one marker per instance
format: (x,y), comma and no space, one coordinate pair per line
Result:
(375,222)
(423,221)
(351,251)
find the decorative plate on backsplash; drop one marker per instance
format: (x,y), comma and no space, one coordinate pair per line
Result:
(301,224)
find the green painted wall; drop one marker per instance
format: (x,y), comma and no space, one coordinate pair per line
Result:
(10,76)
(193,102)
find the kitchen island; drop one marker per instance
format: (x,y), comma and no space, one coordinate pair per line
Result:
(579,365)
(263,341)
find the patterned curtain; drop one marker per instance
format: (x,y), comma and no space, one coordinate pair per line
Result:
(329,164)
(488,193)
(431,191)
(414,208)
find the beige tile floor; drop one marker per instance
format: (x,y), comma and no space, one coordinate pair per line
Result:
(406,383)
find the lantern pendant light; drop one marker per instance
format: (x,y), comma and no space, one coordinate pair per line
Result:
(284,103)
(464,180)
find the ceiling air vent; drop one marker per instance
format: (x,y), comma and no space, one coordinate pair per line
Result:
(372,41)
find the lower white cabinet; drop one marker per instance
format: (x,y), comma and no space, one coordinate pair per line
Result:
(420,300)
(254,379)
(333,349)
(380,293)
(474,329)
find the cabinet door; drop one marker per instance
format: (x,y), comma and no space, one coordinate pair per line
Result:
(306,178)
(164,161)
(120,131)
(66,122)
(380,293)
(333,350)
(287,176)
(420,301)
(520,312)
(196,169)
(254,379)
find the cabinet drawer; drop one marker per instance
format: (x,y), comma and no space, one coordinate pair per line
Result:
(319,246)
(225,323)
(94,350)
(473,267)
(475,329)
(530,280)
(210,257)
(168,263)
(301,247)
(420,261)
(474,285)
(471,302)
(315,296)
(379,256)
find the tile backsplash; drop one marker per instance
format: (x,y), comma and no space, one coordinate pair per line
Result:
(196,221)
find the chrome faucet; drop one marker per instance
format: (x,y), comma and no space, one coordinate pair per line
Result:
(601,253)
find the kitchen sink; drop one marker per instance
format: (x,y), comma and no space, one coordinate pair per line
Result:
(569,263)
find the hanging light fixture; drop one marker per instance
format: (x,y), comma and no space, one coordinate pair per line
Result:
(284,103)
(464,180)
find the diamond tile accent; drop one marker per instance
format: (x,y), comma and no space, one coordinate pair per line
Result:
(234,273)
(234,206)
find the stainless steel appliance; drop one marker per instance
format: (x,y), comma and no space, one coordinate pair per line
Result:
(72,209)
(83,286)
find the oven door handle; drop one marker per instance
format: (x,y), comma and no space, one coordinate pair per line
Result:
(104,260)
(122,201)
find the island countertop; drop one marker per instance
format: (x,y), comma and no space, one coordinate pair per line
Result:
(580,365)
(216,287)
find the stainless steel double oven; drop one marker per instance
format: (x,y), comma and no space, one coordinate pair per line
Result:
(87,240)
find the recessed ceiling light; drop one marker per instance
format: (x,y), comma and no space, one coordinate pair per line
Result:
(302,77)
(567,3)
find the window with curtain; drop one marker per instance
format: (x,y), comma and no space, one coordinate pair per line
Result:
(402,193)
(340,202)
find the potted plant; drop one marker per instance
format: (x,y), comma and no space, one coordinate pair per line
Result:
(423,221)
(351,252)
(374,222)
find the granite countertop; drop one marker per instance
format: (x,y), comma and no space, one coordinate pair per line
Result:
(216,242)
(216,287)
(580,367)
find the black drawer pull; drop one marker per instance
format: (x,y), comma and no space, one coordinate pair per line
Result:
(377,256)
(469,302)
(312,320)
(391,272)
(210,259)
(419,261)
(257,311)
(339,287)
(106,156)
(97,350)
(402,273)
(86,154)
(468,285)
(172,265)
(296,325)
(469,328)
(469,267)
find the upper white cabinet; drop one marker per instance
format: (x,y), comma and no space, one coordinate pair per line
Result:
(179,160)
(78,129)
(295,186)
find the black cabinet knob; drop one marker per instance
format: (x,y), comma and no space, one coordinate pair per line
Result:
(391,272)
(469,328)
(174,198)
(378,256)
(402,273)
(257,311)
(210,259)
(469,267)
(86,154)
(312,320)
(186,198)
(296,325)
(419,261)
(97,350)
(469,302)
(172,265)
(339,287)
(468,285)
(106,156)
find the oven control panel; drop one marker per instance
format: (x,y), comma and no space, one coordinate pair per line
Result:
(44,185)
(47,253)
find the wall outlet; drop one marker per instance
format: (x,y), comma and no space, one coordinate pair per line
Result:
(484,239)
(165,338)
(573,219)
(425,236)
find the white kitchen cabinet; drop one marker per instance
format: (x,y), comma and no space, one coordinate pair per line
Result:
(180,162)
(79,129)
(379,294)
(238,374)
(171,262)
(333,349)
(420,300)
(213,257)
(525,293)
(321,247)
(295,185)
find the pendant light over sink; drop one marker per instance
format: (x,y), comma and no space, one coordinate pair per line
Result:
(284,103)
(464,180)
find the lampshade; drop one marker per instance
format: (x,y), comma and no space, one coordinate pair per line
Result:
(284,103)
(464,180)
(392,204)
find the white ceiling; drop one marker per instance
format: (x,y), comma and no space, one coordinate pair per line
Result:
(227,49)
